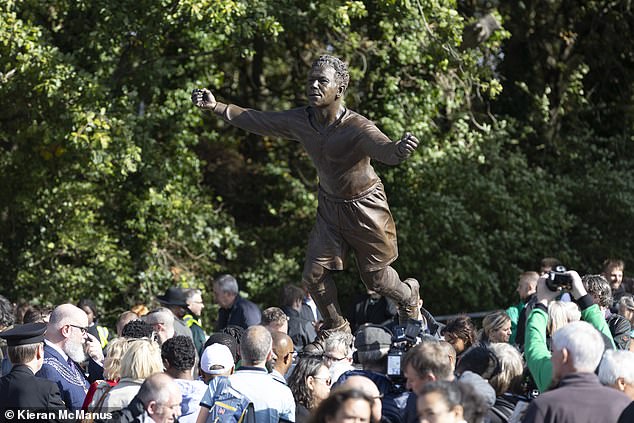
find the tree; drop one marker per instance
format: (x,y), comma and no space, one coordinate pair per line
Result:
(115,187)
(102,193)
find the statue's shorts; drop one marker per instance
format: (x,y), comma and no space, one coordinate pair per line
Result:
(363,224)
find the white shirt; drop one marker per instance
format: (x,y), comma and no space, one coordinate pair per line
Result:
(271,399)
(56,348)
(311,303)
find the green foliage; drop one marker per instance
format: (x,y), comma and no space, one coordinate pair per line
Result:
(103,196)
(473,215)
(114,186)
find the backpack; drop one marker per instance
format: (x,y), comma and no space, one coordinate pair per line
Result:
(229,405)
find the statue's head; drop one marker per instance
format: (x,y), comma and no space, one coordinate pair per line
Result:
(341,69)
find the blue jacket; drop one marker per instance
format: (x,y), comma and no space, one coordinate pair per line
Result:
(71,381)
(395,399)
(242,313)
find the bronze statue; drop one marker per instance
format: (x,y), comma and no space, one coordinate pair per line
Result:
(352,208)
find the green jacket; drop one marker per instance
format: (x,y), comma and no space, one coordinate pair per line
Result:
(514,312)
(536,350)
(198,334)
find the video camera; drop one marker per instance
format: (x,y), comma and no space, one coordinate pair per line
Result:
(404,337)
(557,280)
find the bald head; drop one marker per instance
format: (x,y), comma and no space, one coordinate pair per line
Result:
(161,397)
(368,387)
(283,348)
(63,319)
(157,387)
(256,346)
(67,314)
(67,331)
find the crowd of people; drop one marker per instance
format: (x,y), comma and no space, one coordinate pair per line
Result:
(561,354)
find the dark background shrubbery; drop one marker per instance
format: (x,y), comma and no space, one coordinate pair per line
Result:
(114,187)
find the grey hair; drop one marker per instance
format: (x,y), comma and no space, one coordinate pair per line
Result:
(273,315)
(599,288)
(7,318)
(583,343)
(160,315)
(191,293)
(616,364)
(339,341)
(227,283)
(626,302)
(511,368)
(429,358)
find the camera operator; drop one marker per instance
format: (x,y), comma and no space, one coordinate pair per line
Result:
(549,287)
(373,343)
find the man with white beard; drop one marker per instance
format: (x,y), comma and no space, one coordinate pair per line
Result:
(66,344)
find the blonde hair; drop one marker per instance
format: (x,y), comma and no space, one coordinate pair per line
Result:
(112,363)
(493,321)
(511,368)
(140,309)
(142,359)
(560,313)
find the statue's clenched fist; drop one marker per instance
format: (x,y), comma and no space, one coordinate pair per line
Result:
(203,99)
(407,145)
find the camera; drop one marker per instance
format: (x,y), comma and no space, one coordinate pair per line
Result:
(557,280)
(404,337)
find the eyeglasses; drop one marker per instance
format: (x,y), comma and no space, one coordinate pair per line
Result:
(81,328)
(331,358)
(326,380)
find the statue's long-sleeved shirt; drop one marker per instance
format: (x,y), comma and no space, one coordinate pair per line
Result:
(341,152)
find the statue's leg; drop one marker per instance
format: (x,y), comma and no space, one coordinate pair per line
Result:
(323,290)
(404,293)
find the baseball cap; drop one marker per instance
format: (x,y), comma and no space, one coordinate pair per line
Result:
(216,355)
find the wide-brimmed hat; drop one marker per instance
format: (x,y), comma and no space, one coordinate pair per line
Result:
(174,296)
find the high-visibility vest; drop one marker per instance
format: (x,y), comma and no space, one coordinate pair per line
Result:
(103,336)
(190,321)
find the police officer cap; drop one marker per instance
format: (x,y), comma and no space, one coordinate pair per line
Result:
(30,333)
